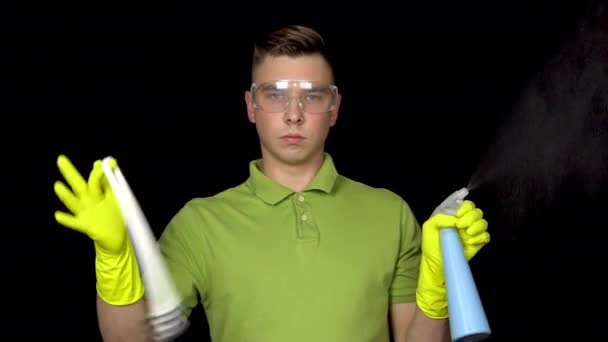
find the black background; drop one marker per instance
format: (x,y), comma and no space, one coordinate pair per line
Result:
(426,88)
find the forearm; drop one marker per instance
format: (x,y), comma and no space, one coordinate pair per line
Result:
(425,329)
(123,323)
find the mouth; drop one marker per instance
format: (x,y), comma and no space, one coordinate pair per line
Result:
(292,138)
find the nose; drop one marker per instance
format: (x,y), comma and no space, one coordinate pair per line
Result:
(293,112)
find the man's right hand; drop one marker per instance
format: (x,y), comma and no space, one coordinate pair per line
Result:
(93,208)
(95,212)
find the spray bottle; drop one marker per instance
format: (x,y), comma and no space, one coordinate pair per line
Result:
(166,315)
(468,320)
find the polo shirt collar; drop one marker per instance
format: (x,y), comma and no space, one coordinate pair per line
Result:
(272,192)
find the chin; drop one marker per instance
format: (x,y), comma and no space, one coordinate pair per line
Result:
(293,156)
(290,154)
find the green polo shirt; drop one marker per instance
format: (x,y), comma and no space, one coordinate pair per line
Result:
(270,264)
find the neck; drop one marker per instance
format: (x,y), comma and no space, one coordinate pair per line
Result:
(292,176)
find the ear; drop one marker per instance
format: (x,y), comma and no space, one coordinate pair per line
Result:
(334,113)
(249,103)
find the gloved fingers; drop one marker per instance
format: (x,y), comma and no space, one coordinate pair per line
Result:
(113,162)
(465,207)
(477,240)
(469,218)
(442,220)
(72,176)
(95,181)
(68,199)
(476,227)
(69,221)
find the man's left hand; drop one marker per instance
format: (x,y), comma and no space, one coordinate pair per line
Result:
(470,224)
(472,229)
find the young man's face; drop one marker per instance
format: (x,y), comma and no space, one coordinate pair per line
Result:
(291,118)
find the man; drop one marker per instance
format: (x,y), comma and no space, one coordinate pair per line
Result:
(297,252)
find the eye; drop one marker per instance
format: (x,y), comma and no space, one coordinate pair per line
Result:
(275,96)
(314,97)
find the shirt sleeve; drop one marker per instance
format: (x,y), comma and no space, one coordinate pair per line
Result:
(175,245)
(405,280)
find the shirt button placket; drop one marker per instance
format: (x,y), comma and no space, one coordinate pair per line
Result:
(301,215)
(307,230)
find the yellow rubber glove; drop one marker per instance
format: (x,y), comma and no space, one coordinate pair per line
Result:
(94,212)
(472,228)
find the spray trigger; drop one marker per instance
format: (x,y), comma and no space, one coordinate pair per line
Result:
(452,203)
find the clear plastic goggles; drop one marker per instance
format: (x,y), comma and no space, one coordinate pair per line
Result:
(276,96)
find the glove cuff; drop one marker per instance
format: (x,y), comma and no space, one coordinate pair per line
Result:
(118,277)
(431,295)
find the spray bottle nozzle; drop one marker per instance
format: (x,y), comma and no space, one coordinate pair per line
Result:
(452,203)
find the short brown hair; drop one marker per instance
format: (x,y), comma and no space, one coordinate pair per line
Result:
(292,41)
